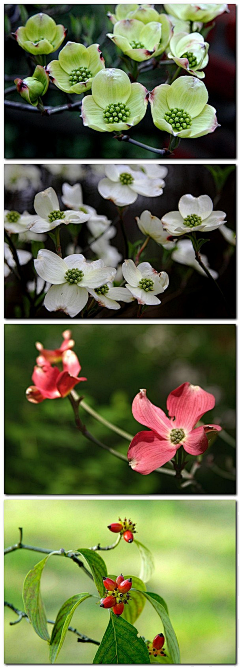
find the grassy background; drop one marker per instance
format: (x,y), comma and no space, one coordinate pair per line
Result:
(45,454)
(193,544)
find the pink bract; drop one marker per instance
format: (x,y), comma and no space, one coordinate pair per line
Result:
(186,405)
(56,355)
(50,382)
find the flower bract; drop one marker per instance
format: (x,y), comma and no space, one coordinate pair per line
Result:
(76,66)
(109,296)
(144,282)
(9,263)
(144,13)
(181,108)
(50,382)
(57,354)
(186,405)
(152,227)
(184,254)
(189,52)
(139,41)
(123,184)
(48,212)
(201,12)
(115,103)
(72,198)
(34,87)
(40,35)
(194,214)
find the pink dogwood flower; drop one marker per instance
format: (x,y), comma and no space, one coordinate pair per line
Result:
(56,355)
(186,405)
(50,382)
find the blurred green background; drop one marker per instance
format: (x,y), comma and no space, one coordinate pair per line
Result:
(193,544)
(45,454)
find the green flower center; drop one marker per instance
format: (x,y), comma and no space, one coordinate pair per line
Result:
(146,284)
(116,113)
(178,119)
(56,215)
(136,45)
(74,276)
(80,74)
(126,179)
(103,290)
(176,436)
(192,220)
(191,58)
(12,216)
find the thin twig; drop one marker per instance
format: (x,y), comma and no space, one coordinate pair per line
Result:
(108,547)
(47,111)
(164,152)
(111,426)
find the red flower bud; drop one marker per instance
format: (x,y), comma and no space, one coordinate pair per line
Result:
(109,584)
(125,585)
(115,527)
(118,609)
(128,536)
(158,641)
(119,579)
(107,602)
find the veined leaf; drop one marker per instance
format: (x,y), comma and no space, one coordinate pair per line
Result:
(121,644)
(147,566)
(169,632)
(159,599)
(32,599)
(97,566)
(62,622)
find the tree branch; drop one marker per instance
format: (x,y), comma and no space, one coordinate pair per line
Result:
(164,152)
(47,111)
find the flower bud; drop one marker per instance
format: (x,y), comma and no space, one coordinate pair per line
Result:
(125,586)
(115,527)
(119,579)
(118,609)
(109,584)
(158,641)
(107,602)
(32,88)
(128,536)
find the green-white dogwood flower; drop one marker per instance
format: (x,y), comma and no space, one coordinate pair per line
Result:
(49,216)
(144,13)
(76,66)
(122,185)
(141,42)
(181,108)
(201,12)
(152,227)
(115,103)
(195,214)
(189,52)
(144,282)
(40,35)
(34,87)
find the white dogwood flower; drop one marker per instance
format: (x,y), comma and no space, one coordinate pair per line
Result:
(152,227)
(195,214)
(152,171)
(20,177)
(15,222)
(184,254)
(144,282)
(107,296)
(73,199)
(70,280)
(70,172)
(49,216)
(123,184)
(109,254)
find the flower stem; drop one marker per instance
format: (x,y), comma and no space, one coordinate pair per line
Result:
(163,152)
(58,242)
(108,547)
(111,426)
(173,143)
(137,258)
(207,272)
(178,70)
(121,214)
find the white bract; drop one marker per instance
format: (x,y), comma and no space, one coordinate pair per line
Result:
(144,282)
(109,254)
(101,226)
(184,254)
(38,285)
(9,262)
(107,296)
(70,172)
(21,177)
(16,223)
(228,234)
(123,184)
(73,199)
(153,172)
(194,214)
(152,227)
(49,216)
(70,280)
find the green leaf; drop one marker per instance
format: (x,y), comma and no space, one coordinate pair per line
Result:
(136,604)
(32,599)
(97,566)
(159,599)
(220,174)
(121,644)
(172,643)
(62,622)
(147,567)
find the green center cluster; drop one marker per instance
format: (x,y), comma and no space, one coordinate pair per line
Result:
(191,58)
(80,74)
(56,215)
(116,113)
(178,119)
(192,220)
(126,179)
(176,436)
(12,216)
(74,276)
(136,45)
(103,290)
(146,284)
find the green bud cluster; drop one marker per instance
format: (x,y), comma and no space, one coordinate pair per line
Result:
(136,45)
(126,179)
(116,113)
(12,216)
(80,74)
(192,220)
(146,284)
(56,215)
(178,119)
(103,290)
(191,59)
(176,436)
(74,276)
